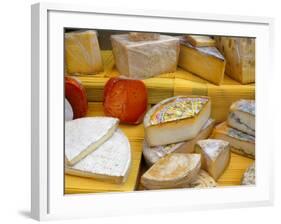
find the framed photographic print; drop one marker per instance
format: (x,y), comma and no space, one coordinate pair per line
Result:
(148,111)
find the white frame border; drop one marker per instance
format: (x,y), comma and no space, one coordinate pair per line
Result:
(40,105)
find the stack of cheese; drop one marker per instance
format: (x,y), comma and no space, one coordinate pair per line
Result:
(199,56)
(172,128)
(96,148)
(239,129)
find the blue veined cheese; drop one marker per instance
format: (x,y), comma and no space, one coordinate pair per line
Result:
(111,161)
(242,116)
(240,142)
(249,177)
(215,156)
(84,135)
(153,154)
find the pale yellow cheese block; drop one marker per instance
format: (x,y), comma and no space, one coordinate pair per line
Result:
(82,52)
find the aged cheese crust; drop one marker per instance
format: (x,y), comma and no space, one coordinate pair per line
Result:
(110,162)
(142,36)
(215,156)
(176,119)
(200,41)
(84,135)
(144,59)
(172,171)
(249,177)
(203,180)
(240,142)
(153,154)
(242,116)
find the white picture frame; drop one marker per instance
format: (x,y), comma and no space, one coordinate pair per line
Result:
(48,200)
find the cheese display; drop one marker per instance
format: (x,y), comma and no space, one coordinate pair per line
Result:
(68,112)
(176,119)
(109,162)
(141,36)
(172,171)
(200,41)
(206,62)
(240,142)
(153,154)
(144,59)
(82,52)
(85,135)
(249,177)
(203,180)
(240,56)
(215,156)
(242,116)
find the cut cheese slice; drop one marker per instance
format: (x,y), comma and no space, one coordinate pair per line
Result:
(147,58)
(153,154)
(240,142)
(249,177)
(176,119)
(206,62)
(172,171)
(84,135)
(82,52)
(109,162)
(200,41)
(68,112)
(215,156)
(242,116)
(203,180)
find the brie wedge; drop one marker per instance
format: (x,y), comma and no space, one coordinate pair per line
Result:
(176,119)
(215,156)
(153,154)
(110,161)
(242,116)
(249,177)
(240,142)
(172,171)
(84,135)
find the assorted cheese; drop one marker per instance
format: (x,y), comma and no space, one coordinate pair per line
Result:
(200,41)
(85,135)
(172,171)
(82,52)
(240,142)
(206,62)
(249,177)
(176,119)
(242,116)
(215,156)
(153,154)
(110,161)
(145,58)
(240,57)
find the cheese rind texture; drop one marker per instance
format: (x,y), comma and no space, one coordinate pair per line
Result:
(203,180)
(206,62)
(215,156)
(172,171)
(240,57)
(144,59)
(82,52)
(153,154)
(141,36)
(242,116)
(249,177)
(110,161)
(68,112)
(240,142)
(84,135)
(200,41)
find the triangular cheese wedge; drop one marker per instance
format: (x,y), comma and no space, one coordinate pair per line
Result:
(215,156)
(110,161)
(176,119)
(84,135)
(172,171)
(153,154)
